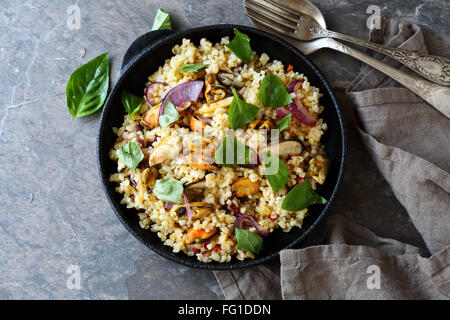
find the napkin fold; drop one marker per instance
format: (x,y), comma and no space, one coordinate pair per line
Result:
(409,142)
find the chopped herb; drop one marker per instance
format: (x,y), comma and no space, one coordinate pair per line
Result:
(131,103)
(240,112)
(169,190)
(276,172)
(162,21)
(284,122)
(188,68)
(248,241)
(273,93)
(130,154)
(301,197)
(240,46)
(170,114)
(87,87)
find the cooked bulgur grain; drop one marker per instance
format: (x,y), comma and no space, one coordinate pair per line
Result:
(264,205)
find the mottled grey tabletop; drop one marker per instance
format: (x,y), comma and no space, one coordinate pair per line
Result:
(54,216)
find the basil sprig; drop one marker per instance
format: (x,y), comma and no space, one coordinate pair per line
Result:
(231,152)
(273,93)
(284,122)
(301,197)
(131,103)
(169,190)
(240,46)
(162,21)
(240,112)
(276,171)
(87,87)
(248,240)
(188,68)
(130,154)
(170,114)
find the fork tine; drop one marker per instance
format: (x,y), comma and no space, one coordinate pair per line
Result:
(284,10)
(267,12)
(275,13)
(266,22)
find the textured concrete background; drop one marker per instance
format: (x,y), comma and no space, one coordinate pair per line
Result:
(53,212)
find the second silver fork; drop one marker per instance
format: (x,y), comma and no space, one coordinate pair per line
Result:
(302,27)
(436,95)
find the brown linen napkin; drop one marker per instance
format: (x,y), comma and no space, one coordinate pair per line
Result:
(409,142)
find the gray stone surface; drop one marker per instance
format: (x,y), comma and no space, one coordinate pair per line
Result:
(53,212)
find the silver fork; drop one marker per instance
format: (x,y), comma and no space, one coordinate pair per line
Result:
(301,26)
(436,95)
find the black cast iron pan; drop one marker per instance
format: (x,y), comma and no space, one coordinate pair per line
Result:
(143,58)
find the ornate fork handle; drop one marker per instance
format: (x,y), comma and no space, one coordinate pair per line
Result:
(434,68)
(436,95)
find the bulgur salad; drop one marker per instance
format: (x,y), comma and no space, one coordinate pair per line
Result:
(222,149)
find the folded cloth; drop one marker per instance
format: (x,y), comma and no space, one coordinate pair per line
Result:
(408,141)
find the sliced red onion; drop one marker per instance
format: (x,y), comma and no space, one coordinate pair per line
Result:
(283,112)
(181,94)
(188,208)
(292,86)
(148,90)
(297,107)
(246,218)
(299,112)
(133,182)
(168,205)
(138,129)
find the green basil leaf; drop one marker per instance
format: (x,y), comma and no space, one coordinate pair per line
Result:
(170,114)
(187,68)
(231,152)
(273,93)
(162,21)
(240,46)
(169,190)
(240,112)
(131,103)
(284,122)
(276,172)
(130,154)
(248,241)
(301,197)
(87,87)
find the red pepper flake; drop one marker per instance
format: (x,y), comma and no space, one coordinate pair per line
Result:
(273,219)
(156,138)
(290,68)
(234,208)
(218,247)
(299,179)
(196,251)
